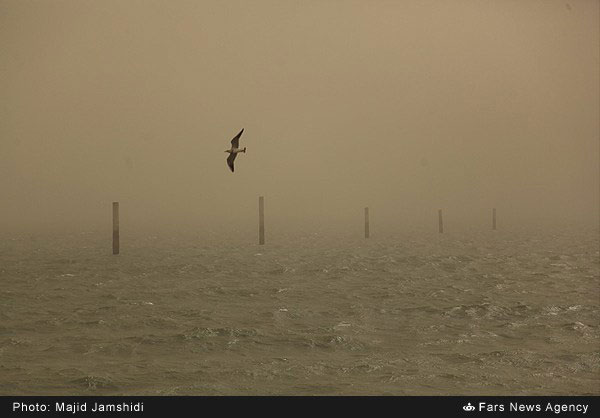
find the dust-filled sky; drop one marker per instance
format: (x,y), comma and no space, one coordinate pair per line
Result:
(402,106)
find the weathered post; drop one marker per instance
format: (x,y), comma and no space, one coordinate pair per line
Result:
(115,227)
(441,222)
(366,222)
(261,220)
(494,219)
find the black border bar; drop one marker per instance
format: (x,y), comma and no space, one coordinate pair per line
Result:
(282,406)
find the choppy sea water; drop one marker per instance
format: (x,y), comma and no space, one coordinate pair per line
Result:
(480,312)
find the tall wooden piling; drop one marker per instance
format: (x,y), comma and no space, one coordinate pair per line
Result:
(494,219)
(366,222)
(261,220)
(115,211)
(440,221)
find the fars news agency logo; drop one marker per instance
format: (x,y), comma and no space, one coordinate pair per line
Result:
(468,407)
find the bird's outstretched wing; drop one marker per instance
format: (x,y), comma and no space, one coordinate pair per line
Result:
(236,140)
(230,160)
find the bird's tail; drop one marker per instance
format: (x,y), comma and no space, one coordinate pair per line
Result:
(244,150)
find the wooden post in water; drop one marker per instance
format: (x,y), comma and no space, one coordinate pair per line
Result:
(494,219)
(115,207)
(366,222)
(261,220)
(441,222)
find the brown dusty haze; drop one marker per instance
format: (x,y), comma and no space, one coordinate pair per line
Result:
(403,106)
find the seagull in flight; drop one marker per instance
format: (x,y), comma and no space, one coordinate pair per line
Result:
(234,150)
